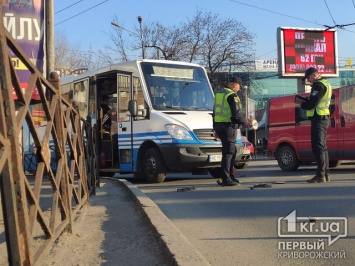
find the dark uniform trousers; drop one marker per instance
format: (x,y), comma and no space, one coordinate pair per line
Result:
(319,125)
(228,135)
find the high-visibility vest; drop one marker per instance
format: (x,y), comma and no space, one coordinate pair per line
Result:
(222,110)
(322,107)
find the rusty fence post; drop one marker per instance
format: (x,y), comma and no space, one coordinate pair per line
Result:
(61,152)
(12,177)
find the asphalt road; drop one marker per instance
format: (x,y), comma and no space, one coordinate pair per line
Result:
(247,225)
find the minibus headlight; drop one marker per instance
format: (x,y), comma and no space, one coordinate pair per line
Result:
(178,132)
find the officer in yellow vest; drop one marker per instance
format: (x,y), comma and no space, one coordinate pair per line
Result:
(227,117)
(317,106)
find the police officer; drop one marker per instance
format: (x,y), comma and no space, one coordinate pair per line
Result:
(317,106)
(227,117)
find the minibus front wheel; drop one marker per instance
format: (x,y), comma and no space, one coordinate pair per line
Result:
(287,159)
(215,172)
(153,168)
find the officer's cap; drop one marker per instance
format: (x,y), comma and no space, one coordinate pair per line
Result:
(309,72)
(236,80)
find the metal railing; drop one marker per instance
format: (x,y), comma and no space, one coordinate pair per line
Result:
(37,208)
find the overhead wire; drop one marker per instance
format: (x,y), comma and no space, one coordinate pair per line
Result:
(274,12)
(68,7)
(330,13)
(81,12)
(284,15)
(265,53)
(335,24)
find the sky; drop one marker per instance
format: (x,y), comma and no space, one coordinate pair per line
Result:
(87,23)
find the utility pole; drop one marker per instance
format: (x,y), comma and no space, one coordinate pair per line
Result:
(246,109)
(49,36)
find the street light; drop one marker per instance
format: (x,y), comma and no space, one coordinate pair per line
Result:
(132,32)
(140,26)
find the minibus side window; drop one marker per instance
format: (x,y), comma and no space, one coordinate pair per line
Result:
(123,86)
(139,97)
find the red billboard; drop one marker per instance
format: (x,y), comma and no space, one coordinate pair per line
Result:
(300,49)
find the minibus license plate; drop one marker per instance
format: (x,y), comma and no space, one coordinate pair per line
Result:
(215,158)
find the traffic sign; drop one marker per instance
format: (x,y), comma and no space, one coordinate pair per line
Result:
(255,124)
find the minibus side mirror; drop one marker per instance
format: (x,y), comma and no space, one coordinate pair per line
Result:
(133,108)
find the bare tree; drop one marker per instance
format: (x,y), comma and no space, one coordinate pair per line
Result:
(158,41)
(119,47)
(206,39)
(66,57)
(195,29)
(223,43)
(89,59)
(218,44)
(69,58)
(172,41)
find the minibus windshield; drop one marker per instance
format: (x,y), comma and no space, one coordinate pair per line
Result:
(177,87)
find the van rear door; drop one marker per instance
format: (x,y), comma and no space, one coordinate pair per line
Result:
(346,122)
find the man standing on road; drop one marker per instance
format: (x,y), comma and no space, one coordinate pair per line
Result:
(317,106)
(227,117)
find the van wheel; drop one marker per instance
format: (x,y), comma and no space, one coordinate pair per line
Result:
(153,167)
(287,160)
(334,164)
(215,172)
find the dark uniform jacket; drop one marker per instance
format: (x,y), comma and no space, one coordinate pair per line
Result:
(317,93)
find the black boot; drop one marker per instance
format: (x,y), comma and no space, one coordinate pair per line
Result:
(226,182)
(317,179)
(235,180)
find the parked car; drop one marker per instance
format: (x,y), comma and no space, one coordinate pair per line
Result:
(248,146)
(244,159)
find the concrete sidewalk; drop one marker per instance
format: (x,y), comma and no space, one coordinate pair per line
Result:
(122,226)
(180,248)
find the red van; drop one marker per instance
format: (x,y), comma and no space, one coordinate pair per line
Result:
(289,133)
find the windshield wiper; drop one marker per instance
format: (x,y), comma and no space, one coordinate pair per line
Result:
(200,108)
(172,107)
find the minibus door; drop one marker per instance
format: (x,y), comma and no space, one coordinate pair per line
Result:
(124,122)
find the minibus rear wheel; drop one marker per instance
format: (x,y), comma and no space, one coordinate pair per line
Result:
(107,174)
(153,168)
(287,159)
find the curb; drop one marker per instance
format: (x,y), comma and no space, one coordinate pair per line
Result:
(178,245)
